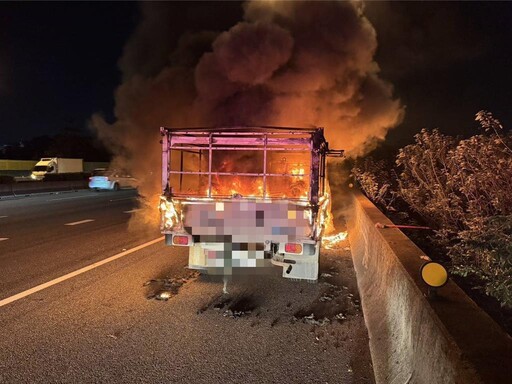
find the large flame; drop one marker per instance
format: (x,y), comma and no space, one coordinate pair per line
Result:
(169,215)
(263,70)
(295,186)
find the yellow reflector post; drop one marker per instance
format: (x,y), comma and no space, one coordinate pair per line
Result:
(434,274)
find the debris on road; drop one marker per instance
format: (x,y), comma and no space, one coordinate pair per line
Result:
(311,320)
(163,295)
(335,303)
(164,289)
(239,306)
(235,314)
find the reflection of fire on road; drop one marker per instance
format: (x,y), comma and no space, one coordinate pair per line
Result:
(334,241)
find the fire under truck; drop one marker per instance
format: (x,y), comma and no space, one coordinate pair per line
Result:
(245,198)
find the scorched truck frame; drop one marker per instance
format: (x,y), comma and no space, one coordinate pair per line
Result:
(242,198)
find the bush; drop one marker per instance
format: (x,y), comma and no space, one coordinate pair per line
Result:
(485,252)
(425,180)
(377,180)
(483,176)
(462,188)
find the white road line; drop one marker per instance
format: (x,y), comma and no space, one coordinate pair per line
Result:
(3,217)
(58,280)
(80,222)
(4,238)
(131,211)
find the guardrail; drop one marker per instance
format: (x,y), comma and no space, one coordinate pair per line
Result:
(28,187)
(414,339)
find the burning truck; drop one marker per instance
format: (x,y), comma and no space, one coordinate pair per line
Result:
(245,198)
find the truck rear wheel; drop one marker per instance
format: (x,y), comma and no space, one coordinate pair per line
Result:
(116,187)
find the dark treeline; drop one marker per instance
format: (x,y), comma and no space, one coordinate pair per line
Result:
(65,144)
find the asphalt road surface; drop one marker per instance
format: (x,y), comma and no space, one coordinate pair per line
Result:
(67,318)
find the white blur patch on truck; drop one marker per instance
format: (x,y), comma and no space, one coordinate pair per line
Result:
(53,165)
(246,198)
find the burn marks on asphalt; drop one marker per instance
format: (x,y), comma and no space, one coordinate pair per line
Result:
(235,307)
(338,298)
(333,300)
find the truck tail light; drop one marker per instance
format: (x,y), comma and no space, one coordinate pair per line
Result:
(180,240)
(293,248)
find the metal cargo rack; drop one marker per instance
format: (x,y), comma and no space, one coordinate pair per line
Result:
(268,139)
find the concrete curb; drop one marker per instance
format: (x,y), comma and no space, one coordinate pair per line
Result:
(414,339)
(31,187)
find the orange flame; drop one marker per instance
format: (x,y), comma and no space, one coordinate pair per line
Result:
(248,186)
(334,241)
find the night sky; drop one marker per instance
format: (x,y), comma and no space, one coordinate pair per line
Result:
(59,61)
(58,64)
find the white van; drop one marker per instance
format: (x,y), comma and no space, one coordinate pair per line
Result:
(49,165)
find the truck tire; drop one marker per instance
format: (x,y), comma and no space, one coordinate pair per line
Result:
(116,187)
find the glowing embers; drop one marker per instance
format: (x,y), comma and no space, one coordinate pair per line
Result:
(237,186)
(169,218)
(281,179)
(298,171)
(334,241)
(252,187)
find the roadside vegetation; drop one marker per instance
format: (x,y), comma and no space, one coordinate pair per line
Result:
(461,188)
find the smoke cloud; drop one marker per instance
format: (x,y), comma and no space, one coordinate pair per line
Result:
(286,63)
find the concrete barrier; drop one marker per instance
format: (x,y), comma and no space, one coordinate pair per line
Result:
(7,166)
(16,165)
(28,187)
(414,339)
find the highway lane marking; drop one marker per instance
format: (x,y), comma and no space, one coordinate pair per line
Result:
(4,238)
(70,275)
(80,222)
(131,211)
(3,217)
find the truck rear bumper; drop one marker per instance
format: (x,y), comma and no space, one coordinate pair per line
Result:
(250,258)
